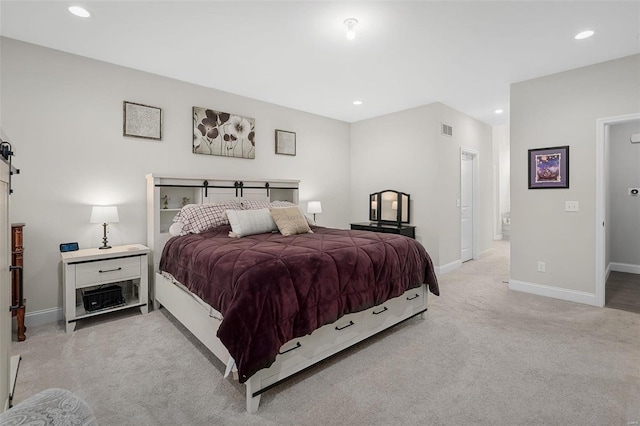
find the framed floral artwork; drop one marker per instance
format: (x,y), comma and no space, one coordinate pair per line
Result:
(142,121)
(223,134)
(285,142)
(549,167)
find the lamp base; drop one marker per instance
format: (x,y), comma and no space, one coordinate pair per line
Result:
(104,238)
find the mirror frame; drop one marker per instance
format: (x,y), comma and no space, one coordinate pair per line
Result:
(375,207)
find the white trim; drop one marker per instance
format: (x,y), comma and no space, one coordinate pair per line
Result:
(452,266)
(601,128)
(607,272)
(497,237)
(555,292)
(624,267)
(44,316)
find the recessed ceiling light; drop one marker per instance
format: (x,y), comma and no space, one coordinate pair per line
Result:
(357,102)
(499,111)
(79,11)
(584,34)
(351,27)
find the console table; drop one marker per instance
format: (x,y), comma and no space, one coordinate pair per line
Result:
(406,230)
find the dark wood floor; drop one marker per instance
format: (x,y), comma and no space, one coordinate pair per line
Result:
(623,292)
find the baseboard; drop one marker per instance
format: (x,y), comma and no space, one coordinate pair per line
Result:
(44,316)
(555,292)
(607,272)
(625,267)
(448,267)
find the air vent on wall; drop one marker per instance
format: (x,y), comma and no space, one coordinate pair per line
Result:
(447,130)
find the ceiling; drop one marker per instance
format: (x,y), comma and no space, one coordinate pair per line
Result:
(295,53)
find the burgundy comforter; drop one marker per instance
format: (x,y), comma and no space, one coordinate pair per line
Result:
(271,288)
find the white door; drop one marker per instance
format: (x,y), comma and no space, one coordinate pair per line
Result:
(466,206)
(5,289)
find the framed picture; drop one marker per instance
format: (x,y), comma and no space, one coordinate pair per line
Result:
(142,121)
(549,167)
(285,142)
(224,134)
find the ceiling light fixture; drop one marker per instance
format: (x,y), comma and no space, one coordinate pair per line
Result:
(584,34)
(357,102)
(499,111)
(351,25)
(79,11)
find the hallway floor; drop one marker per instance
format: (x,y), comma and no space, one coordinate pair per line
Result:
(623,292)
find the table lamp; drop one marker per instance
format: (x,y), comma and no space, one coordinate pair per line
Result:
(104,215)
(314,207)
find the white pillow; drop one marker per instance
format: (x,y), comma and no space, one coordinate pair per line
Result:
(176,229)
(250,222)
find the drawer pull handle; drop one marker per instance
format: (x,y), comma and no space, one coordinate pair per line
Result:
(415,296)
(109,270)
(348,325)
(298,344)
(379,312)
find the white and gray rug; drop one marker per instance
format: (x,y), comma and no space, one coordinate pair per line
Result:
(484,355)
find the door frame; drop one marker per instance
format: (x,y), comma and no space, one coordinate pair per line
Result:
(601,208)
(475,159)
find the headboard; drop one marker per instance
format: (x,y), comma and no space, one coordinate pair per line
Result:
(167,194)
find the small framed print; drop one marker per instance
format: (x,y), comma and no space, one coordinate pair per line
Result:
(549,167)
(285,142)
(142,121)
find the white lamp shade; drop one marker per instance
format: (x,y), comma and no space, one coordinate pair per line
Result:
(104,214)
(314,207)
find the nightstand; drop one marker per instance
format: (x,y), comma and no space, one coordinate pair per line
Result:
(91,269)
(406,230)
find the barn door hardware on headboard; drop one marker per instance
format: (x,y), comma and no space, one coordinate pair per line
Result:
(239,185)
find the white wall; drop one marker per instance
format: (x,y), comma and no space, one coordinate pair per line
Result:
(502,162)
(555,110)
(63,114)
(624,211)
(405,151)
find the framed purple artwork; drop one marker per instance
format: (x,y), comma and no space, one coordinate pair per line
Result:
(549,167)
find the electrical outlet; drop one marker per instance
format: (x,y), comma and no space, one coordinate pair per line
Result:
(571,206)
(542,267)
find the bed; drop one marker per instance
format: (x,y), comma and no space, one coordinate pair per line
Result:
(270,305)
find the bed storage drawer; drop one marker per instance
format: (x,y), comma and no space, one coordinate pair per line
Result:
(344,329)
(107,271)
(294,352)
(396,309)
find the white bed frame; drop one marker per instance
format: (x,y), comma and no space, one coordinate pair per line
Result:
(203,321)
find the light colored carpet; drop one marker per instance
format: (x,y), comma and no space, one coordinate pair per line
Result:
(484,355)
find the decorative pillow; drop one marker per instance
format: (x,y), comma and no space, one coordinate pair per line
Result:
(281,204)
(197,218)
(255,204)
(290,220)
(176,229)
(250,222)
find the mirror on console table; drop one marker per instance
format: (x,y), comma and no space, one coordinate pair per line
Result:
(391,207)
(388,213)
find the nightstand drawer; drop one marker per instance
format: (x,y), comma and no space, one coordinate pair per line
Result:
(107,271)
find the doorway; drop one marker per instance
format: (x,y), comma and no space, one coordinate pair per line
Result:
(468,204)
(603,198)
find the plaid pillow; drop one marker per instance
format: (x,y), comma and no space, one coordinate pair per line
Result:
(197,218)
(255,204)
